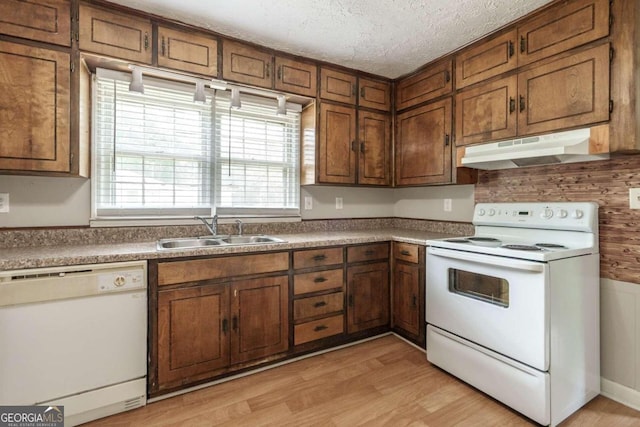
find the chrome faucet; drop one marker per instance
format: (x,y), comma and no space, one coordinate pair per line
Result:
(213,227)
(239,227)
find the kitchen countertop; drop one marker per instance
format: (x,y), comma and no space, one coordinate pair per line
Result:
(63,255)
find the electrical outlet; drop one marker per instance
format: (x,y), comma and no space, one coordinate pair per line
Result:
(447,205)
(634,198)
(308,203)
(4,202)
(338,202)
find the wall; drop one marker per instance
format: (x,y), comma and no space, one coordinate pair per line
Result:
(51,202)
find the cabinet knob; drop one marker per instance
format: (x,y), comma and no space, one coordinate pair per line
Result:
(350,301)
(225,326)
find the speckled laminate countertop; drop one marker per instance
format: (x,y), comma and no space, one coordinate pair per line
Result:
(63,255)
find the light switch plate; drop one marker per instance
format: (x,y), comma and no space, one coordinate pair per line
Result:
(634,198)
(338,202)
(4,202)
(447,205)
(308,203)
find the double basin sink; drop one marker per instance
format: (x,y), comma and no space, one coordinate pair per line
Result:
(207,241)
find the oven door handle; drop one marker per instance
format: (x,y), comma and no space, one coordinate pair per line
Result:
(488,260)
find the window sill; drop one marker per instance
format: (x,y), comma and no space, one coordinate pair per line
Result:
(150,222)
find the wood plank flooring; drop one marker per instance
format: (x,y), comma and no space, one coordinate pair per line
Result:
(380,382)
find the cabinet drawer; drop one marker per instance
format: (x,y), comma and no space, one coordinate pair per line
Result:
(368,252)
(317,281)
(406,252)
(317,258)
(317,306)
(215,268)
(317,329)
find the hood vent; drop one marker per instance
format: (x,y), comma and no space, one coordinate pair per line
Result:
(563,147)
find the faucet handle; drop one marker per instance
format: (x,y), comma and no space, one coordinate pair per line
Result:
(239,222)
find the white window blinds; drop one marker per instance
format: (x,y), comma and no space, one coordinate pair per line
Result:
(161,154)
(256,157)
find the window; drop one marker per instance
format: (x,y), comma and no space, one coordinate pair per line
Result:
(160,154)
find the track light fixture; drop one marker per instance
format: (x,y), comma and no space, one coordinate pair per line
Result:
(136,84)
(235,98)
(282,105)
(200,96)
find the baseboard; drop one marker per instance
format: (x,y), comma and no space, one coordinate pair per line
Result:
(620,393)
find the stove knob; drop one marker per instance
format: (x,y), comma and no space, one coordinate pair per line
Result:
(577,214)
(492,212)
(481,212)
(562,213)
(546,213)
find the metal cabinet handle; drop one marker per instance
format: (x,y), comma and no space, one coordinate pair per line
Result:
(512,105)
(415,301)
(279,72)
(369,252)
(362,147)
(446,139)
(405,252)
(234,323)
(447,76)
(320,304)
(522,103)
(354,145)
(511,49)
(268,70)
(225,326)
(163,47)
(362,92)
(319,257)
(320,328)
(146,41)
(319,279)
(523,44)
(350,300)
(354,91)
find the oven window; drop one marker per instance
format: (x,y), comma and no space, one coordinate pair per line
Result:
(478,286)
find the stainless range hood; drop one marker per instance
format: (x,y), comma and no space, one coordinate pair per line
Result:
(562,147)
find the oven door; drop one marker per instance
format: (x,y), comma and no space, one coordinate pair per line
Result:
(499,303)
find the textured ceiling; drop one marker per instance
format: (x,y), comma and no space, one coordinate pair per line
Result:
(384,37)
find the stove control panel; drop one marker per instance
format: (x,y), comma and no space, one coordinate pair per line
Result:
(575,216)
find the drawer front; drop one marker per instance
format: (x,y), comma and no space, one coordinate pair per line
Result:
(406,252)
(173,272)
(368,252)
(317,258)
(317,329)
(317,306)
(318,281)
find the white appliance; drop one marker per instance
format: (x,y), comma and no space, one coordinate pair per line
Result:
(75,336)
(514,309)
(561,147)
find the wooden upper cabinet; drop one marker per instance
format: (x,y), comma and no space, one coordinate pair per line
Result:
(246,64)
(115,34)
(187,51)
(374,165)
(486,59)
(337,144)
(428,84)
(572,91)
(47,21)
(374,94)
(487,112)
(338,86)
(423,145)
(34,109)
(562,27)
(296,77)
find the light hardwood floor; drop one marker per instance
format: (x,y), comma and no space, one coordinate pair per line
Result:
(380,382)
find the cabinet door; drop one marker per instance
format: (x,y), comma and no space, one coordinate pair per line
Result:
(487,112)
(193,333)
(260,318)
(337,144)
(115,34)
(375,148)
(367,296)
(562,27)
(406,298)
(34,109)
(187,51)
(338,86)
(245,64)
(486,59)
(423,145)
(572,91)
(374,94)
(296,77)
(47,21)
(428,84)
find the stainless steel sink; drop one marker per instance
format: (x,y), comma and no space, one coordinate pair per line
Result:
(190,243)
(250,240)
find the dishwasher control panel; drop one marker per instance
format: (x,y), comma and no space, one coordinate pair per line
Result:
(121,280)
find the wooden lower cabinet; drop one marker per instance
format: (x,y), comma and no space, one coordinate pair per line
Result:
(408,292)
(367,296)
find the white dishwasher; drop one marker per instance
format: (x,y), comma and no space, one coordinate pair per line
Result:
(75,336)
